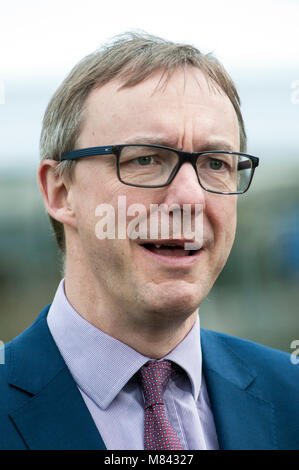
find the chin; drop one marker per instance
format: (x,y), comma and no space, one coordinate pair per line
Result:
(176,301)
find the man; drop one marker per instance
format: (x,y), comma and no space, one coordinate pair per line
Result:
(118,360)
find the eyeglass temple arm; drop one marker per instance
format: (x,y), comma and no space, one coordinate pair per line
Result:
(88,152)
(247,165)
(244,165)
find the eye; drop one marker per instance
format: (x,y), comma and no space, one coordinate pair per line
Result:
(144,161)
(216,164)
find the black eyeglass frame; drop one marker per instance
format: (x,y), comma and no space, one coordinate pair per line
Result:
(184,157)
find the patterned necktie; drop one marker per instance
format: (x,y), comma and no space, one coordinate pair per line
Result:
(158,432)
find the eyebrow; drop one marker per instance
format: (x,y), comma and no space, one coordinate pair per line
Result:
(219,145)
(211,145)
(150,140)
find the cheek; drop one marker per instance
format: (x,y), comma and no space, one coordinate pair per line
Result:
(93,188)
(223,218)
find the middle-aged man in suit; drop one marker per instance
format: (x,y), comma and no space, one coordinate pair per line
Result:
(118,360)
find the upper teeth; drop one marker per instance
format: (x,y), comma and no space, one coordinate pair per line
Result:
(165,244)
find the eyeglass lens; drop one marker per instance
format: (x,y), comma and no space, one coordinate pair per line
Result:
(150,166)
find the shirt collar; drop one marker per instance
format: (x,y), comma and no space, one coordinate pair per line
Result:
(102,365)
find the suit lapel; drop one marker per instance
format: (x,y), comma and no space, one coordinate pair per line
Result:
(55,415)
(243,419)
(57,418)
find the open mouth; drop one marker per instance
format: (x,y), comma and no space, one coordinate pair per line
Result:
(172,250)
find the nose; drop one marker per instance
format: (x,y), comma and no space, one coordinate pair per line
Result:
(185,188)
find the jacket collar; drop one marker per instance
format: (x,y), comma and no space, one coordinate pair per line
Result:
(33,357)
(244,419)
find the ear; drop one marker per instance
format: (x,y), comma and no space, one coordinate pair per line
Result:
(56,192)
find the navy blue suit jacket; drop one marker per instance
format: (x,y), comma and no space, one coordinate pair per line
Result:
(253,389)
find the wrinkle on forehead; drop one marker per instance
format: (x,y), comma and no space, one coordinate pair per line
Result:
(186,95)
(186,72)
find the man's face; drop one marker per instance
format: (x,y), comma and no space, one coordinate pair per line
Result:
(188,114)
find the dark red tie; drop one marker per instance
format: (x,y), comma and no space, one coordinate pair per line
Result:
(158,432)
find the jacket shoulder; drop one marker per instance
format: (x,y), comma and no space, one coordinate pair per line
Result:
(269,364)
(12,396)
(263,378)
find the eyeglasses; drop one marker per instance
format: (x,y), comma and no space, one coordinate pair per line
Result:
(155,166)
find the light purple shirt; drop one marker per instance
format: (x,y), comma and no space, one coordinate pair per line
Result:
(104,368)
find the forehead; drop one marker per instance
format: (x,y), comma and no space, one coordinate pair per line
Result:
(187,106)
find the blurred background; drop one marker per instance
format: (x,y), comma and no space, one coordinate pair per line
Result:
(257,295)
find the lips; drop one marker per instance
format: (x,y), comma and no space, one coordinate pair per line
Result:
(165,250)
(173,249)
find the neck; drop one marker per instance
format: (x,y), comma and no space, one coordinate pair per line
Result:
(152,334)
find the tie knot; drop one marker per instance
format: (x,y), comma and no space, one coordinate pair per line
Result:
(154,378)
